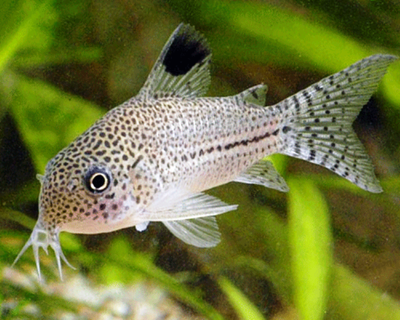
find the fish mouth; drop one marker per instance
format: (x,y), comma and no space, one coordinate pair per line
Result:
(42,237)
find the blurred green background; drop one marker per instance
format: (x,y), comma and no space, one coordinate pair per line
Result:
(325,250)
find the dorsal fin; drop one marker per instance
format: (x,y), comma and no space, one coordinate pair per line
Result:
(182,68)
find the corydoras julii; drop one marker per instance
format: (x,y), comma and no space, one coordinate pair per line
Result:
(151,158)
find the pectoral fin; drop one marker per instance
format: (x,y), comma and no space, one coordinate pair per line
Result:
(201,232)
(191,219)
(195,206)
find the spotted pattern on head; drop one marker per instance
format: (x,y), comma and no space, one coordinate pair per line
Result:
(108,147)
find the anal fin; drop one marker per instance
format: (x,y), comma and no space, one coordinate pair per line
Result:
(263,173)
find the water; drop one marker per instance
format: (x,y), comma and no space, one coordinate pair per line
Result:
(83,59)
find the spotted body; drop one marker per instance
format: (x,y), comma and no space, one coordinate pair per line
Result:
(151,158)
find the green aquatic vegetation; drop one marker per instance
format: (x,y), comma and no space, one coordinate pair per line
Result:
(297,251)
(243,306)
(311,243)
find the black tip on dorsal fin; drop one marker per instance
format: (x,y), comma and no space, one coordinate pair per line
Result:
(182,69)
(188,48)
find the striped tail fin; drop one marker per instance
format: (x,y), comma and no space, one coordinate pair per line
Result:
(316,123)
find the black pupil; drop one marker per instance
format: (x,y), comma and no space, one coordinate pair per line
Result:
(99,181)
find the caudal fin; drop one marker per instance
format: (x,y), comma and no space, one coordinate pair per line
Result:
(317,122)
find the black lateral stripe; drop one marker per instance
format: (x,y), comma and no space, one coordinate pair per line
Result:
(246,141)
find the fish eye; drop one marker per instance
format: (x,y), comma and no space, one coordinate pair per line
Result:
(97,180)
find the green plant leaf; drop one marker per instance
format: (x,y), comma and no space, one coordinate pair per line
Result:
(311,242)
(259,32)
(245,309)
(353,298)
(48,118)
(23,24)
